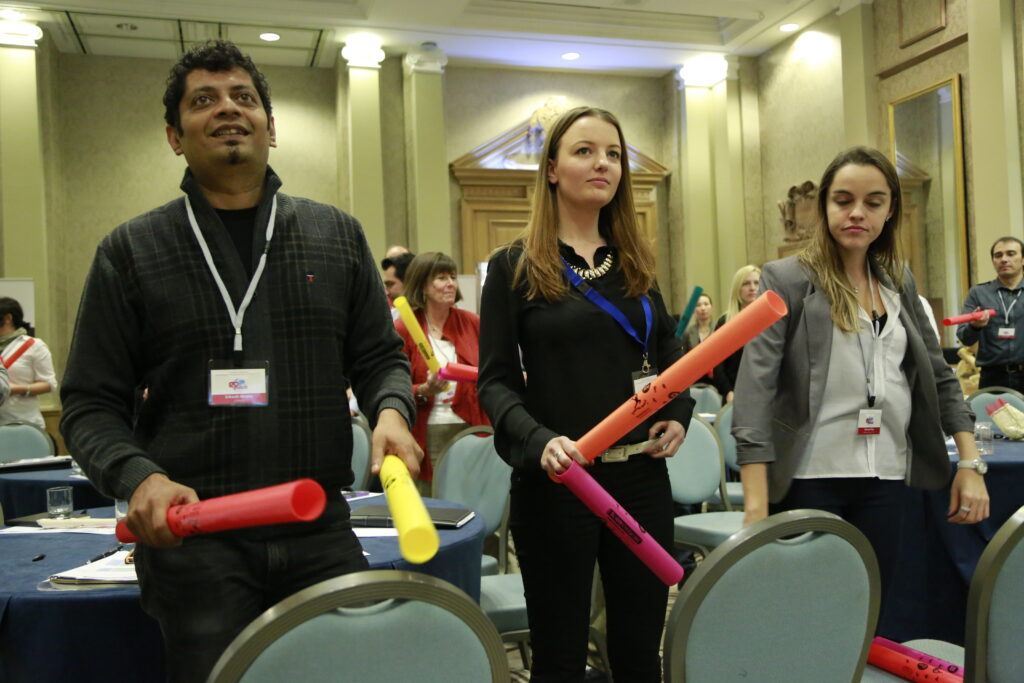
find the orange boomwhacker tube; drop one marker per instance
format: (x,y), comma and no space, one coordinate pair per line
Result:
(750,322)
(413,325)
(302,500)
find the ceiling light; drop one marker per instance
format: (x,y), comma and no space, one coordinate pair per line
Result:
(571,56)
(363,49)
(20,33)
(789,28)
(11,14)
(704,70)
(270,37)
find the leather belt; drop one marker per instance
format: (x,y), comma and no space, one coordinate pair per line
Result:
(623,453)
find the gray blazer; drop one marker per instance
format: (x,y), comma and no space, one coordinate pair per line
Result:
(782,381)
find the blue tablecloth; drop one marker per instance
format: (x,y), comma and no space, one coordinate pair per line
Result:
(937,559)
(102,634)
(24,493)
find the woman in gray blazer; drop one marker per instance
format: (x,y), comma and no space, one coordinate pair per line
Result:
(843,403)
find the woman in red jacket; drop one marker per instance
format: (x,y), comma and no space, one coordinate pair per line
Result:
(444,408)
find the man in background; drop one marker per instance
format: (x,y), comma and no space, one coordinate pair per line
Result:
(1000,337)
(394,268)
(244,312)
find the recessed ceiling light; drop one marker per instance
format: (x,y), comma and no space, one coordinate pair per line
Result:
(789,28)
(570,56)
(270,37)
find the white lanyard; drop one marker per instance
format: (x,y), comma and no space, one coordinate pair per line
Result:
(1006,311)
(236,316)
(869,362)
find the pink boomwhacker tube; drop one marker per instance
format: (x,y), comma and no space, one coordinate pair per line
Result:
(909,667)
(750,322)
(457,372)
(302,500)
(967,317)
(622,524)
(917,655)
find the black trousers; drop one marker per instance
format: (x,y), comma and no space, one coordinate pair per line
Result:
(205,592)
(874,506)
(999,377)
(558,540)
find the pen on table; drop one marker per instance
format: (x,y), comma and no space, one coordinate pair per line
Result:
(108,553)
(39,557)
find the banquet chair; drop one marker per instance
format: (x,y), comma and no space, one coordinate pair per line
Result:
(791,598)
(361,439)
(696,472)
(991,652)
(356,628)
(473,474)
(982,398)
(20,440)
(723,427)
(707,398)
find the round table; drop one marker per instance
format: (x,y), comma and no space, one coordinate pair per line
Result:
(102,633)
(24,493)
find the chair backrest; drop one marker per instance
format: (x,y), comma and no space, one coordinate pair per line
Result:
(994,605)
(707,398)
(356,627)
(19,440)
(696,470)
(361,439)
(812,580)
(723,427)
(473,474)
(982,398)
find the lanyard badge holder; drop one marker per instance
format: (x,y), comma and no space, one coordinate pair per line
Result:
(236,383)
(1008,332)
(647,372)
(869,420)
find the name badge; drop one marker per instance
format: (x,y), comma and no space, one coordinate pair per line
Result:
(1006,333)
(869,422)
(642,379)
(239,387)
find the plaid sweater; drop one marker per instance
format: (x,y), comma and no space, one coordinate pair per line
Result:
(151,317)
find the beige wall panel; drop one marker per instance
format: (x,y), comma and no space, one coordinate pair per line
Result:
(888,52)
(801,118)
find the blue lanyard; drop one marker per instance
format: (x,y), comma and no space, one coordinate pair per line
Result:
(608,307)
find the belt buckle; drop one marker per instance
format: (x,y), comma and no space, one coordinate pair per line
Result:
(615,454)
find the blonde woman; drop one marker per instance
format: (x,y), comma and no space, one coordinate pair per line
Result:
(581,362)
(744,289)
(844,401)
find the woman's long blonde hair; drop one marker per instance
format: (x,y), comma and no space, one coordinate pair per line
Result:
(735,305)
(541,265)
(822,255)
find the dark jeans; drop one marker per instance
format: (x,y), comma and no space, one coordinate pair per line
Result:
(557,542)
(999,377)
(206,591)
(874,506)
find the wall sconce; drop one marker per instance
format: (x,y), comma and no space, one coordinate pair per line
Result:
(20,33)
(363,49)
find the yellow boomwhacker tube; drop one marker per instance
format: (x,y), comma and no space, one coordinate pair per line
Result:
(413,325)
(417,537)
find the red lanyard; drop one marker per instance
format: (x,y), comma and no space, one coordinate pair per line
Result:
(8,362)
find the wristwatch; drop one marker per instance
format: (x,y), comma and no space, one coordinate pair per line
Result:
(978,465)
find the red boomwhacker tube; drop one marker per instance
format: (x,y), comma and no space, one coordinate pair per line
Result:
(922,657)
(302,500)
(907,667)
(747,324)
(967,317)
(457,372)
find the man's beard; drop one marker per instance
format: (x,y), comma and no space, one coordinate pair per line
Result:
(234,154)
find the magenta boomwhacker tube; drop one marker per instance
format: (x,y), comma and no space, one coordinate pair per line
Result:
(622,524)
(967,317)
(930,662)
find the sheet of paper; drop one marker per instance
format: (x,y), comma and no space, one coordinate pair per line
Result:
(110,569)
(373,531)
(103,531)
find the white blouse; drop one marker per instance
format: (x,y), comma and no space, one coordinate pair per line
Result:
(35,365)
(835,449)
